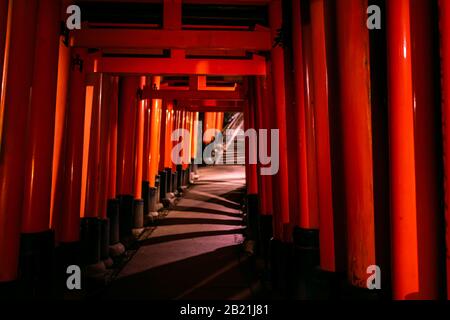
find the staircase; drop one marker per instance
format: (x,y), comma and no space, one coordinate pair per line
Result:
(232,150)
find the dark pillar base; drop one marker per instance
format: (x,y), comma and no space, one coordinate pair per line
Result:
(90,237)
(325,285)
(305,260)
(162,185)
(175,183)
(169,181)
(138,216)
(280,256)
(158,187)
(145,196)
(126,216)
(9,290)
(265,231)
(114,223)
(252,216)
(153,204)
(104,243)
(179,178)
(36,264)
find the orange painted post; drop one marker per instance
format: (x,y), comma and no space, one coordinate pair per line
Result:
(4,48)
(281,181)
(112,205)
(326,220)
(162,151)
(105,140)
(139,144)
(59,144)
(444,19)
(426,136)
(138,204)
(405,268)
(302,170)
(39,156)
(68,225)
(146,150)
(313,201)
(37,240)
(219,121)
(126,135)
(12,153)
(355,106)
(128,106)
(113,128)
(93,173)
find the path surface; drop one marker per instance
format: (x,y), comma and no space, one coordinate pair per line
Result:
(195,252)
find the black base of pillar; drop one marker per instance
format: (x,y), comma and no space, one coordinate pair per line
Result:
(90,237)
(126,216)
(162,185)
(169,181)
(305,260)
(145,195)
(325,285)
(36,264)
(174,182)
(280,255)
(252,216)
(138,214)
(153,201)
(104,239)
(179,178)
(9,290)
(265,231)
(114,223)
(158,187)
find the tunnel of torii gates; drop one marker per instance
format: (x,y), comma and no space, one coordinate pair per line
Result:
(86,117)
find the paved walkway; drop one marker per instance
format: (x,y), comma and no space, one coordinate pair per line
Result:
(195,252)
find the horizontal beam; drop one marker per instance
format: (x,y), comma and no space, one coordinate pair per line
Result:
(211,105)
(182,66)
(196,108)
(171,39)
(193,95)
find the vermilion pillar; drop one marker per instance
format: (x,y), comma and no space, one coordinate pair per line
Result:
(195,128)
(12,152)
(126,134)
(219,121)
(154,128)
(250,148)
(93,173)
(41,123)
(444,12)
(260,127)
(356,120)
(60,130)
(405,269)
(4,40)
(139,144)
(313,201)
(69,222)
(320,73)
(113,128)
(104,148)
(281,180)
(302,170)
(426,148)
(162,136)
